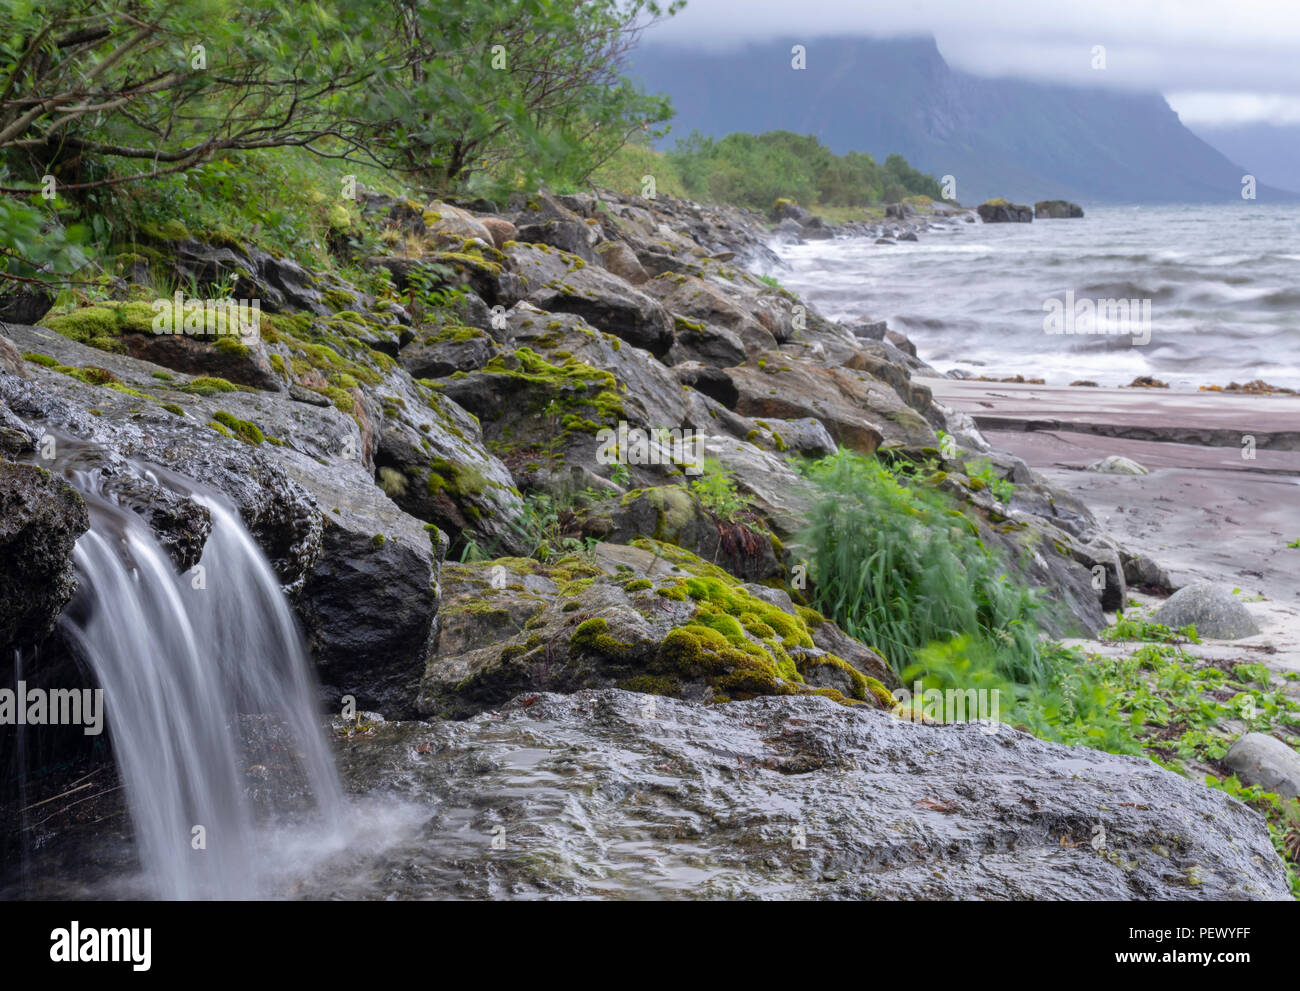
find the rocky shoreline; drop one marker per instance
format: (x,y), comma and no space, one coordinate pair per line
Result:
(386,455)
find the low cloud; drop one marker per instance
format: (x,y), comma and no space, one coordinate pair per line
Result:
(1196,49)
(1217,109)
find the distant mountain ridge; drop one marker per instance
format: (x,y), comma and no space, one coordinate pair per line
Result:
(1272,150)
(997,137)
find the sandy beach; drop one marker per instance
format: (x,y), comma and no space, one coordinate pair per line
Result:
(1204,512)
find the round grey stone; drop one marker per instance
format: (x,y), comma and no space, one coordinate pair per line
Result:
(1260,759)
(1212,609)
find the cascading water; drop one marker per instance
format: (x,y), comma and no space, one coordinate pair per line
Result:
(208,695)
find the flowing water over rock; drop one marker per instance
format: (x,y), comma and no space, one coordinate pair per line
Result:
(205,683)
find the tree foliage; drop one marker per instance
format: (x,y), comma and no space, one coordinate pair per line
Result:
(98,94)
(755,170)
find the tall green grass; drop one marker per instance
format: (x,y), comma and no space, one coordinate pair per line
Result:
(901,568)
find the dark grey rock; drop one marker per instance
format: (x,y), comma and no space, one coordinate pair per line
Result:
(1004,213)
(792,798)
(41,518)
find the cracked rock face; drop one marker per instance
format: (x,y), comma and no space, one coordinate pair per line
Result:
(612,794)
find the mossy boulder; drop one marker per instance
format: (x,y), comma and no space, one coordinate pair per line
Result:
(445,350)
(432,461)
(859,411)
(673,514)
(452,226)
(675,625)
(609,304)
(572,236)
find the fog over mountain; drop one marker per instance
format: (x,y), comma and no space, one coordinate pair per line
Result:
(1272,150)
(1025,140)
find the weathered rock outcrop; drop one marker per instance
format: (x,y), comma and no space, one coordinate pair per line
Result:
(796,798)
(362,573)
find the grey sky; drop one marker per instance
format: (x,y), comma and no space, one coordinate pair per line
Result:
(1217,61)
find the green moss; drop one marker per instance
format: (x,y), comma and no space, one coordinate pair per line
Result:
(573,386)
(637,585)
(379,541)
(456,334)
(459,481)
(230,346)
(119,387)
(592,637)
(343,400)
(244,430)
(573,588)
(108,343)
(811,617)
(174,409)
(861,683)
(338,299)
(168,230)
(883,696)
(209,385)
(103,322)
(40,359)
(473,258)
(651,684)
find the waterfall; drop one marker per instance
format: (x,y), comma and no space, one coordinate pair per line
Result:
(209,696)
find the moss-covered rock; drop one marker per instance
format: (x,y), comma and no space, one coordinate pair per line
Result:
(681,627)
(674,515)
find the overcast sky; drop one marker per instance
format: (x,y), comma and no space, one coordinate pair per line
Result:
(1216,61)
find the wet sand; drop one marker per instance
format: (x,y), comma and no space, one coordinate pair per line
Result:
(1204,512)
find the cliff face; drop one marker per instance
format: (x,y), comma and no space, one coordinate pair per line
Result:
(998,137)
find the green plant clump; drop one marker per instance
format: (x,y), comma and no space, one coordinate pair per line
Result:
(900,568)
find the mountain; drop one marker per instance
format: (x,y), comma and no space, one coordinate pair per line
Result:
(998,137)
(1272,150)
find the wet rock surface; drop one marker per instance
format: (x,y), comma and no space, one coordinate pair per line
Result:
(41,518)
(600,795)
